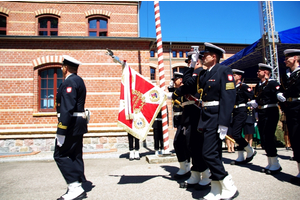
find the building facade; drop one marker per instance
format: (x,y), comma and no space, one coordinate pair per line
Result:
(33,38)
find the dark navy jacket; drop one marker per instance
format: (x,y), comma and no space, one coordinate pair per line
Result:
(70,98)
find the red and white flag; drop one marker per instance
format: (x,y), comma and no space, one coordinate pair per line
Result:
(140,102)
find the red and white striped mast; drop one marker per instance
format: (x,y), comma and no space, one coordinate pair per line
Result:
(161,76)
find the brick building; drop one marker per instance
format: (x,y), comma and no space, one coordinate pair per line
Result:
(33,38)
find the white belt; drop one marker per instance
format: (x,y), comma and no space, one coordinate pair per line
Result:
(210,103)
(267,106)
(158,119)
(76,114)
(187,103)
(240,105)
(293,99)
(177,113)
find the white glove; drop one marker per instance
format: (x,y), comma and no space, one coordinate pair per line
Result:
(223,131)
(60,140)
(253,103)
(280,97)
(171,84)
(169,95)
(195,57)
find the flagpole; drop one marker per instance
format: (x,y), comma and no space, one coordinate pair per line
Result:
(161,76)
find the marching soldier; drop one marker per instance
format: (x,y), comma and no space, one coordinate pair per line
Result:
(72,124)
(180,143)
(292,95)
(243,94)
(217,88)
(200,174)
(267,95)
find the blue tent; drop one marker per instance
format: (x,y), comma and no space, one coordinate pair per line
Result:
(253,54)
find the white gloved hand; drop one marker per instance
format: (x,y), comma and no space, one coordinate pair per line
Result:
(280,97)
(253,103)
(171,84)
(169,95)
(60,140)
(222,130)
(195,57)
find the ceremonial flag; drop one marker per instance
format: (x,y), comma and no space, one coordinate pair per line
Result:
(140,102)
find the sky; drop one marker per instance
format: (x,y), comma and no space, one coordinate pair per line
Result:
(235,22)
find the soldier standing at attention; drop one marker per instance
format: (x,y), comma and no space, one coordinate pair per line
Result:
(267,95)
(72,124)
(243,94)
(218,98)
(180,142)
(292,110)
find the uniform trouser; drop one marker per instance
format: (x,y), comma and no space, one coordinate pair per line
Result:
(293,124)
(69,160)
(158,139)
(195,146)
(136,142)
(267,124)
(212,154)
(239,119)
(180,145)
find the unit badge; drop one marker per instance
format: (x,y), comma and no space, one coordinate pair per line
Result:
(154,95)
(139,123)
(69,89)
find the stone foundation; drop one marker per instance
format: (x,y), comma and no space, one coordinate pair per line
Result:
(89,144)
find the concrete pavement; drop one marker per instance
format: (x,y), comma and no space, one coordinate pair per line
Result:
(112,176)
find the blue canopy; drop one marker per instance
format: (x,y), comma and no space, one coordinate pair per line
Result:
(253,54)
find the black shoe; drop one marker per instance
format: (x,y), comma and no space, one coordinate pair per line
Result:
(79,197)
(295,180)
(263,170)
(183,176)
(201,187)
(250,158)
(271,172)
(187,185)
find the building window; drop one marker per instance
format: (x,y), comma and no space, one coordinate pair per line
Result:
(98,27)
(152,73)
(48,26)
(178,69)
(2,25)
(186,54)
(49,81)
(174,54)
(180,54)
(152,54)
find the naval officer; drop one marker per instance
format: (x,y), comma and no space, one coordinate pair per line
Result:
(72,124)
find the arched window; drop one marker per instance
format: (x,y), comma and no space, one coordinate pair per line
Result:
(49,81)
(98,26)
(48,26)
(2,25)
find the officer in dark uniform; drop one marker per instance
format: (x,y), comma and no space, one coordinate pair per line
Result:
(292,109)
(72,124)
(217,91)
(267,94)
(200,174)
(158,134)
(243,94)
(179,143)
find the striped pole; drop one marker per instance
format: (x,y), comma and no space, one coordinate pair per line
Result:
(161,76)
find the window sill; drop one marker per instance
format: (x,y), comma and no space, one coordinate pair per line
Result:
(45,114)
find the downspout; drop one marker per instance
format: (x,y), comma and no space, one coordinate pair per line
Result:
(170,56)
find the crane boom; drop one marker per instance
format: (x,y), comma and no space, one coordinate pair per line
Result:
(270,37)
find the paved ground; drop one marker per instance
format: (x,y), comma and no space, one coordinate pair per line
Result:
(112,176)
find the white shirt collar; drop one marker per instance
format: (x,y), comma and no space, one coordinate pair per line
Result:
(68,76)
